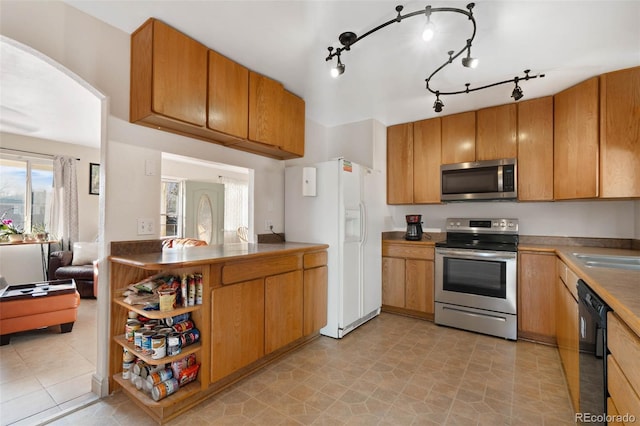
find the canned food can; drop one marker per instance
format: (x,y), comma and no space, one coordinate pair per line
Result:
(165,330)
(132,315)
(146,342)
(192,290)
(183,326)
(189,337)
(137,339)
(126,367)
(164,389)
(158,346)
(160,376)
(130,327)
(184,289)
(173,344)
(178,318)
(181,364)
(199,289)
(128,356)
(167,300)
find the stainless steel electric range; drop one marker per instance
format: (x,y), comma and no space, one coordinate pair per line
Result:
(475,276)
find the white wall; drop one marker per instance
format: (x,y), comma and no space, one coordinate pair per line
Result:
(22,264)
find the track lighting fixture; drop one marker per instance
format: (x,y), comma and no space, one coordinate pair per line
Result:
(438,104)
(517,91)
(468,61)
(348,39)
(429,28)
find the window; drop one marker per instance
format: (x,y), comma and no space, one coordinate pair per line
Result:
(171,209)
(26,192)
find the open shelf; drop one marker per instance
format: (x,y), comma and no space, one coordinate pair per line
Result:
(155,314)
(182,393)
(187,350)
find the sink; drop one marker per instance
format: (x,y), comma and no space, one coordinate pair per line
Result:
(608,261)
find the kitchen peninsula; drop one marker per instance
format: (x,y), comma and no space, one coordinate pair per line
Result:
(259,301)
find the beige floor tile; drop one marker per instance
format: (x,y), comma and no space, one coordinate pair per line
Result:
(25,406)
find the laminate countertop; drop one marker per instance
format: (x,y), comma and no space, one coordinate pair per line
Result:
(193,256)
(619,288)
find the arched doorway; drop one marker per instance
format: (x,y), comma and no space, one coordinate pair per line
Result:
(43,101)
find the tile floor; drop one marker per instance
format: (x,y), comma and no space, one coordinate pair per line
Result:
(43,372)
(391,371)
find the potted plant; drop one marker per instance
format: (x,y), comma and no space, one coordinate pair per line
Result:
(9,231)
(39,231)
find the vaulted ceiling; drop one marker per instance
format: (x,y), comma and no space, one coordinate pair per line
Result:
(569,41)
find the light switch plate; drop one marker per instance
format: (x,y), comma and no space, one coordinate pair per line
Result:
(146,226)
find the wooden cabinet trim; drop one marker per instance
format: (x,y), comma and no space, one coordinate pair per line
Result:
(625,398)
(314,260)
(247,270)
(624,344)
(408,251)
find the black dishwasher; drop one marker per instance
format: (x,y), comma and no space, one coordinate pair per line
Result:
(593,354)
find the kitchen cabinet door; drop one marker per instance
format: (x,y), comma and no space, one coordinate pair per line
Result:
(237,326)
(283,295)
(228,109)
(292,124)
(400,164)
(620,134)
(265,110)
(419,286)
(426,161)
(393,279)
(537,296)
(567,336)
(496,133)
(168,75)
(459,138)
(535,149)
(315,299)
(576,141)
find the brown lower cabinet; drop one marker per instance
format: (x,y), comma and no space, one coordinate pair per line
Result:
(567,329)
(255,307)
(623,369)
(537,296)
(408,279)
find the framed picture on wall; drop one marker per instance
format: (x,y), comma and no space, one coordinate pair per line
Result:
(94,178)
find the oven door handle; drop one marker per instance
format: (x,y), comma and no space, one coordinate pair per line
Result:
(477,254)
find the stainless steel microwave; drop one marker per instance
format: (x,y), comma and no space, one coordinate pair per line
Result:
(480,180)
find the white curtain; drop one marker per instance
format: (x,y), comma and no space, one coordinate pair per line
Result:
(64,208)
(236,203)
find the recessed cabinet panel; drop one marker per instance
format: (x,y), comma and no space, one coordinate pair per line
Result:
(620,134)
(576,141)
(535,149)
(536,297)
(283,298)
(228,96)
(265,106)
(179,75)
(426,161)
(293,123)
(400,164)
(459,138)
(496,133)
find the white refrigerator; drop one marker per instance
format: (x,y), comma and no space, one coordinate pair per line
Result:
(327,203)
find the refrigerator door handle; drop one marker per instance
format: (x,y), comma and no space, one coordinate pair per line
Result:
(363,222)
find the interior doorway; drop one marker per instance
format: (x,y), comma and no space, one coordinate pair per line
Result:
(204,211)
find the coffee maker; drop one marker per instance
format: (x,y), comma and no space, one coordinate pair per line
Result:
(414,227)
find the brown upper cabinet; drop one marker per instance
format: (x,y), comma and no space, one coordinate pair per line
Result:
(620,134)
(168,76)
(576,147)
(535,149)
(400,164)
(426,161)
(459,138)
(228,96)
(413,162)
(181,86)
(496,132)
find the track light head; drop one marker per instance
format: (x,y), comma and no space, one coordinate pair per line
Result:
(468,61)
(429,28)
(438,104)
(517,93)
(338,70)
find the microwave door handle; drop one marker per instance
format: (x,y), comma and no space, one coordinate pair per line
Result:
(500,179)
